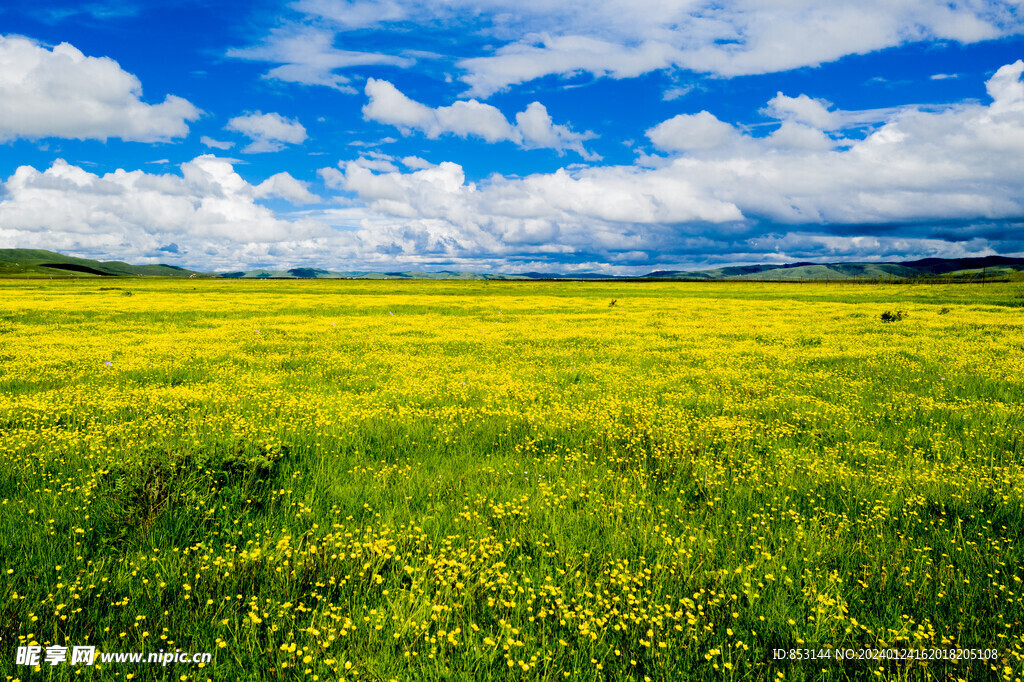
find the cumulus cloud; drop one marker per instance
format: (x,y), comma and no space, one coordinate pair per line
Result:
(1005,88)
(356,14)
(215,144)
(268,132)
(537,130)
(415,163)
(949,181)
(284,186)
(802,109)
(531,39)
(613,38)
(613,220)
(559,212)
(63,93)
(307,56)
(524,61)
(941,182)
(730,38)
(377,161)
(534,128)
(389,105)
(693,131)
(208,208)
(961,162)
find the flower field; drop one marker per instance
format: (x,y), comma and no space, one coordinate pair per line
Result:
(411,480)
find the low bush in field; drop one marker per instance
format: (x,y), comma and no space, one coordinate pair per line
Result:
(893,316)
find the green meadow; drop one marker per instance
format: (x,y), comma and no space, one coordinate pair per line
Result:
(416,480)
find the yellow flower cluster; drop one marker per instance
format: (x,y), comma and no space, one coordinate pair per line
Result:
(506,480)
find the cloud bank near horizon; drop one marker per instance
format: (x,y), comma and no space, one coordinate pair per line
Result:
(497,136)
(940,183)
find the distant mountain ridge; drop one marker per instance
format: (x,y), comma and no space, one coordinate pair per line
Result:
(927,267)
(41,263)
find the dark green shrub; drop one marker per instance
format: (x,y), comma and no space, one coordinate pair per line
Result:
(890,316)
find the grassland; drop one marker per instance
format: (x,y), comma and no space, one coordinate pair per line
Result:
(332,480)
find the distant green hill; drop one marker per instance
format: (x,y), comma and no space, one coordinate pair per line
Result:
(945,266)
(951,268)
(790,272)
(722,273)
(314,273)
(833,271)
(40,263)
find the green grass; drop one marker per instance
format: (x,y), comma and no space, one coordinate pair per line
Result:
(364,468)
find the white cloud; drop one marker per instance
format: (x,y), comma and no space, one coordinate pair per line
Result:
(693,131)
(1006,89)
(589,204)
(786,34)
(415,163)
(268,132)
(356,14)
(284,186)
(207,207)
(308,56)
(376,143)
(534,128)
(539,131)
(730,38)
(531,39)
(215,144)
(388,105)
(524,61)
(802,109)
(921,169)
(794,246)
(962,162)
(950,180)
(63,93)
(378,164)
(675,93)
(800,136)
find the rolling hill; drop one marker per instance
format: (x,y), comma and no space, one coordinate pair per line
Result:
(41,263)
(951,268)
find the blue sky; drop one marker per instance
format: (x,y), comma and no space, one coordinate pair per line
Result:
(493,135)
